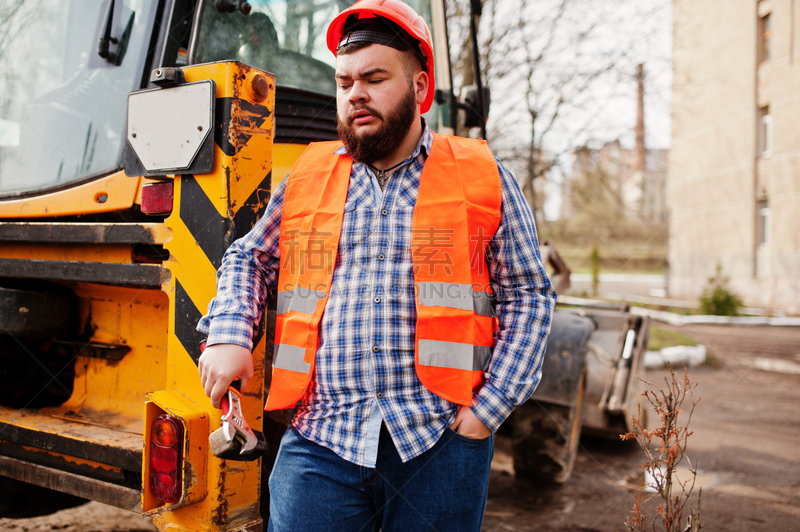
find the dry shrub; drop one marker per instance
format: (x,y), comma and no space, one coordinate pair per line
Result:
(665,448)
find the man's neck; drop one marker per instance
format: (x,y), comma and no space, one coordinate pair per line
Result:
(405,150)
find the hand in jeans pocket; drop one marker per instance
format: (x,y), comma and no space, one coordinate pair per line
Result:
(468,425)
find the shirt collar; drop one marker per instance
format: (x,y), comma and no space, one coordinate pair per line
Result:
(425,141)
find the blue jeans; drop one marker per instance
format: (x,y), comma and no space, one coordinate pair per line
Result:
(312,489)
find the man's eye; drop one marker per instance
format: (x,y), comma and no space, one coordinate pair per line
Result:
(374,81)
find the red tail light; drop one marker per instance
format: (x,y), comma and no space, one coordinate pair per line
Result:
(166,458)
(157,198)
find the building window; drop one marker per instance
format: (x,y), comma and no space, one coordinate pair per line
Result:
(764,223)
(764,132)
(765,33)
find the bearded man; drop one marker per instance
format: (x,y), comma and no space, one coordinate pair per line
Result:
(413,307)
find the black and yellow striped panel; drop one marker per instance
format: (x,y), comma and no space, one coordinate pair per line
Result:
(210,212)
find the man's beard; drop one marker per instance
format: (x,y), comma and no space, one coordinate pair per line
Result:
(369,147)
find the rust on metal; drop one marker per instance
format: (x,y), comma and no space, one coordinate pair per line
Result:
(40,430)
(260,87)
(78,485)
(219,516)
(70,464)
(239,518)
(84,233)
(145,275)
(245,122)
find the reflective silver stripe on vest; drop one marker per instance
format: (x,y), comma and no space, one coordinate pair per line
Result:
(299,300)
(454,355)
(290,357)
(454,295)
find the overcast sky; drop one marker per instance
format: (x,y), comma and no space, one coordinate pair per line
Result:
(643,29)
(623,33)
(647,36)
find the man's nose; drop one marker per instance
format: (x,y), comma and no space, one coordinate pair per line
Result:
(358,93)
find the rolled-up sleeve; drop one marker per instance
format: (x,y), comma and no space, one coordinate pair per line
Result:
(248,274)
(524,304)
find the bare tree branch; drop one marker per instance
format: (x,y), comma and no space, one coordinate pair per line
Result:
(553,67)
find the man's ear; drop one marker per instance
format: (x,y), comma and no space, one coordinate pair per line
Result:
(421,86)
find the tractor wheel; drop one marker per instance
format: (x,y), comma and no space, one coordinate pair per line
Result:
(545,439)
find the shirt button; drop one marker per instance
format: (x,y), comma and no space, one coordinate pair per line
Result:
(384,212)
(375,348)
(381,257)
(377,300)
(380,395)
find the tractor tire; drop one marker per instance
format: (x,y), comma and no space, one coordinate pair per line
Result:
(545,439)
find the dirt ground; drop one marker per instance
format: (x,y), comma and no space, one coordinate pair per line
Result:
(746,445)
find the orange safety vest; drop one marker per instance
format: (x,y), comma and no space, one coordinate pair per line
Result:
(456,214)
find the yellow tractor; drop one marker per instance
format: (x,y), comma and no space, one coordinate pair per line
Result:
(138,140)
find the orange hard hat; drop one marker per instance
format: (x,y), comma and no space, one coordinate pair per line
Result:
(401,14)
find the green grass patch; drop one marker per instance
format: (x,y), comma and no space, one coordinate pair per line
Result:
(661,338)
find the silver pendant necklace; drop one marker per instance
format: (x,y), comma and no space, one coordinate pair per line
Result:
(381,174)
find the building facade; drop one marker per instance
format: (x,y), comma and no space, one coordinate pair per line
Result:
(733,181)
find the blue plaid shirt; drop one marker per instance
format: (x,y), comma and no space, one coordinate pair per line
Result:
(371,303)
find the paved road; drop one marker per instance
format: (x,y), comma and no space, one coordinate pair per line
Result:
(639,285)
